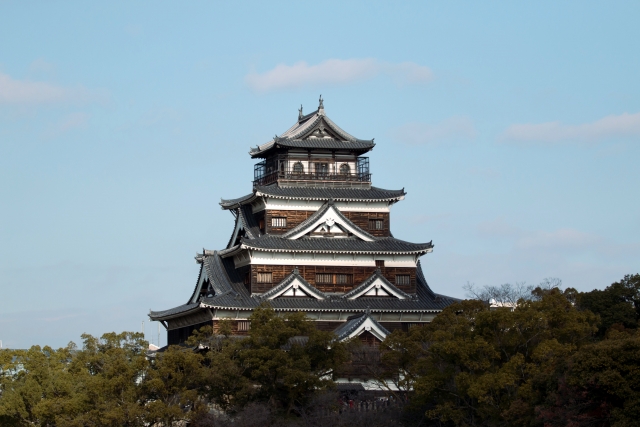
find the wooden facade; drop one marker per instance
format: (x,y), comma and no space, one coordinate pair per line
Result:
(358,275)
(364,220)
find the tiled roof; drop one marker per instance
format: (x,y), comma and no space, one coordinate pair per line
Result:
(234,295)
(311,193)
(354,322)
(380,245)
(328,143)
(376,276)
(304,127)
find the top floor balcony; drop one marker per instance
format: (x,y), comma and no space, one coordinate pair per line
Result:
(317,172)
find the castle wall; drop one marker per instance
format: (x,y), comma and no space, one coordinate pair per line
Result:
(295,217)
(358,273)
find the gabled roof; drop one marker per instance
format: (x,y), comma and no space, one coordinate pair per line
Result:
(293,285)
(358,324)
(327,214)
(314,130)
(373,194)
(375,286)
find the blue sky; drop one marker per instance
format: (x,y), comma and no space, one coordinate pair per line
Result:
(514,128)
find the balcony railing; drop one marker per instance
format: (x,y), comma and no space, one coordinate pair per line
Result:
(271,170)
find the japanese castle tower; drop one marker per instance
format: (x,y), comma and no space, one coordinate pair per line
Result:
(314,236)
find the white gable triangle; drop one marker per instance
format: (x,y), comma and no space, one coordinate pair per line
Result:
(369,325)
(376,286)
(332,222)
(294,288)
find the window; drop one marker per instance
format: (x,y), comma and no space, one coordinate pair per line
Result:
(403,279)
(298,168)
(376,224)
(324,278)
(344,279)
(331,279)
(279,222)
(265,277)
(345,169)
(380,263)
(243,325)
(322,169)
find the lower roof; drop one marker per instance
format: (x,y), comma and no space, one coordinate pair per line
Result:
(235,296)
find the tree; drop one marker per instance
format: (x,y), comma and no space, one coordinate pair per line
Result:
(619,303)
(107,375)
(601,386)
(475,366)
(287,357)
(36,387)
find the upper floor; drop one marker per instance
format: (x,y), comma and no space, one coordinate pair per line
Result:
(313,152)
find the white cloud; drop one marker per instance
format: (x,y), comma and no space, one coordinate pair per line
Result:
(565,238)
(453,128)
(42,66)
(336,72)
(26,92)
(68,123)
(610,127)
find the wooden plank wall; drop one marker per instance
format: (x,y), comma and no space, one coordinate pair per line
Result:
(361,219)
(360,274)
(294,218)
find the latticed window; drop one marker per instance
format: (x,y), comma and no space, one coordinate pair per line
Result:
(376,224)
(344,279)
(265,277)
(324,278)
(243,325)
(403,279)
(345,169)
(279,222)
(334,278)
(298,167)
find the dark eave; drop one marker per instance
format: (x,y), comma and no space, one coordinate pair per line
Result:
(382,245)
(373,194)
(356,147)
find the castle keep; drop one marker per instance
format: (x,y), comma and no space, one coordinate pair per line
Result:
(314,236)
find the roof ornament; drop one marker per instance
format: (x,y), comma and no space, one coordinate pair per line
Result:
(300,112)
(368,311)
(321,101)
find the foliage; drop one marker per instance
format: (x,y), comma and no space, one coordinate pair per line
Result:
(616,304)
(476,366)
(552,358)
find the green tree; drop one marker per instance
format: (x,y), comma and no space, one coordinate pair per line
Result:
(36,387)
(618,303)
(172,385)
(601,387)
(107,375)
(287,357)
(475,366)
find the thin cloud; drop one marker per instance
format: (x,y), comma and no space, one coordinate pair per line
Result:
(565,238)
(70,122)
(610,127)
(336,72)
(26,92)
(451,129)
